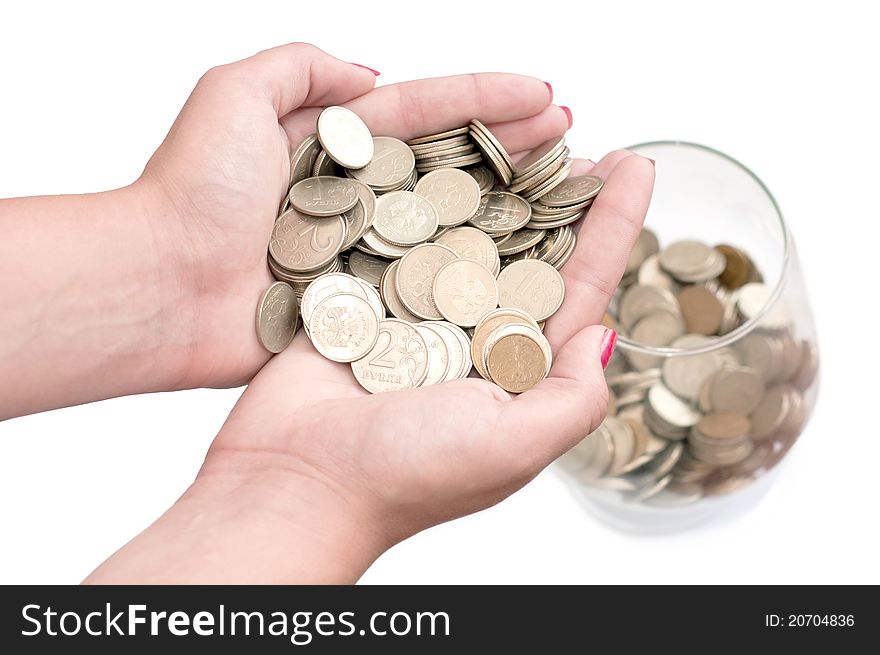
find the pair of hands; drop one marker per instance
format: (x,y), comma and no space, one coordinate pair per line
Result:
(311,478)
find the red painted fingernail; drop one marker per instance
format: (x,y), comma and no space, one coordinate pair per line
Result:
(550,89)
(653,163)
(568,115)
(372,70)
(609,339)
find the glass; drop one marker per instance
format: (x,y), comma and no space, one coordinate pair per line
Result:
(668,460)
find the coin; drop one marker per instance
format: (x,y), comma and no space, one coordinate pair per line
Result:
(516,360)
(398,360)
(366,267)
(473,244)
(345,137)
(389,295)
(277,317)
(754,299)
(390,168)
(381,247)
(343,327)
(404,218)
(323,196)
(438,355)
(736,390)
(573,190)
(701,309)
(646,246)
(685,375)
(303,243)
(501,212)
(302,161)
(464,291)
(458,346)
(359,218)
(691,261)
(522,239)
(484,177)
(414,282)
(441,135)
(738,267)
(454,194)
(532,286)
(538,157)
(671,408)
(326,286)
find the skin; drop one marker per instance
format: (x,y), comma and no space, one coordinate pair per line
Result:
(157,291)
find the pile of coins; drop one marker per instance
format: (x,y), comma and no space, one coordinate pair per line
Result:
(704,420)
(466,267)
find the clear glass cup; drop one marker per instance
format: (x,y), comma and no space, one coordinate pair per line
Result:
(708,443)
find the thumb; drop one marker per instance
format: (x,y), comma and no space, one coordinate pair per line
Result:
(554,415)
(292,76)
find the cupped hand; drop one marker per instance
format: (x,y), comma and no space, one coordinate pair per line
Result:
(400,462)
(223,170)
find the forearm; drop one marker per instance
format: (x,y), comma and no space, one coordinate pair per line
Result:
(230,528)
(89,307)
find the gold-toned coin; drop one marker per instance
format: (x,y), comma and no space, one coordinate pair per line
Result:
(323,196)
(464,292)
(343,327)
(345,137)
(516,360)
(701,309)
(398,360)
(532,286)
(304,243)
(277,317)
(415,278)
(738,269)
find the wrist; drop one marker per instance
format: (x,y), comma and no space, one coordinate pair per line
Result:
(253,523)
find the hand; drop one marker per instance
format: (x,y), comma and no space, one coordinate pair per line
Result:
(311,478)
(223,170)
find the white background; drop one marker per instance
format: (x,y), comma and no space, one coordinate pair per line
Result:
(88,91)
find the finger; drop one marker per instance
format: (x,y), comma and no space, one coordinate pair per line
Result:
(606,238)
(554,415)
(527,133)
(291,76)
(422,107)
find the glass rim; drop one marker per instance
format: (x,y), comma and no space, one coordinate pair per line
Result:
(716,343)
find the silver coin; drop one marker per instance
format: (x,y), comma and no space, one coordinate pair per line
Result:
(345,137)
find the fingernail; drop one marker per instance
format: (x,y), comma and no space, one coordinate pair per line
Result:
(550,89)
(609,339)
(653,163)
(568,115)
(372,70)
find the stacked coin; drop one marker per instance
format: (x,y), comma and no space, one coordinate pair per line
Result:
(449,149)
(701,419)
(409,232)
